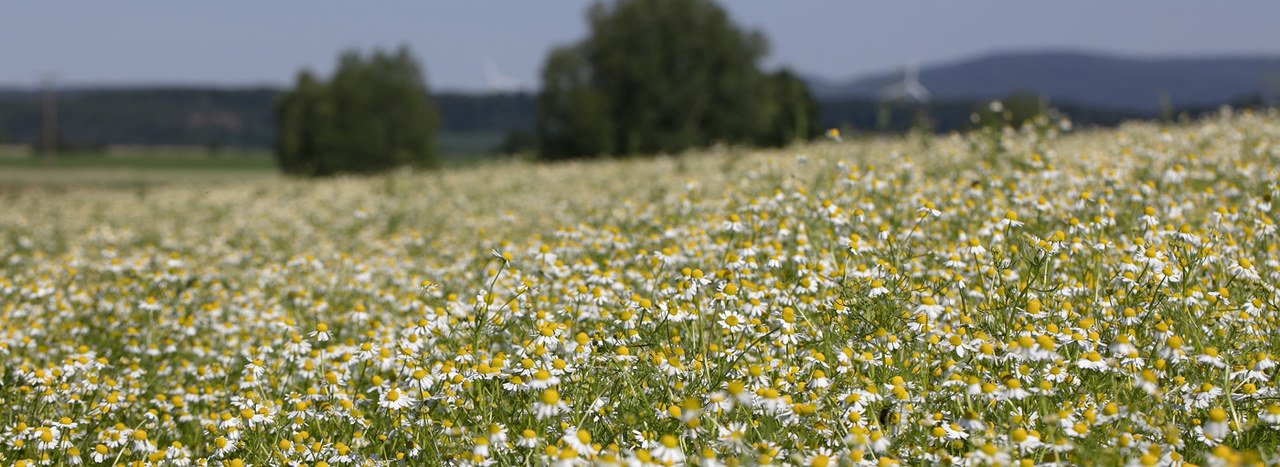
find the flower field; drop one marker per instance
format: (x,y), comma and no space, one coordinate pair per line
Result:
(1028,296)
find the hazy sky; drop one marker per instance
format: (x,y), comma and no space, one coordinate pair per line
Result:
(236,42)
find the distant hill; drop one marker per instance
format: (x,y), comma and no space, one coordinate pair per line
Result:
(1100,81)
(1094,90)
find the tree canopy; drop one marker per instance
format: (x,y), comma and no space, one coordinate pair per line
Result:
(374,114)
(665,75)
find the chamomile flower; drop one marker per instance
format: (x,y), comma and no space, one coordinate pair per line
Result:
(989,454)
(99,454)
(549,404)
(929,307)
(1243,268)
(668,451)
(543,379)
(877,289)
(529,439)
(321,334)
(1010,220)
(1024,440)
(1211,357)
(579,441)
(395,399)
(1270,414)
(1215,429)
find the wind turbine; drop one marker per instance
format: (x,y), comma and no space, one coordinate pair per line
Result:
(908,89)
(497,81)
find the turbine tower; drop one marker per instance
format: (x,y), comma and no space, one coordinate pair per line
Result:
(908,89)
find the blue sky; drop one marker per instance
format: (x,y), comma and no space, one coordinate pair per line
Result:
(237,42)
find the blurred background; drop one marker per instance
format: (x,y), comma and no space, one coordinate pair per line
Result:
(329,87)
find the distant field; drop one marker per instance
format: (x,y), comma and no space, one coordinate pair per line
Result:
(13,155)
(129,168)
(142,161)
(135,167)
(465,144)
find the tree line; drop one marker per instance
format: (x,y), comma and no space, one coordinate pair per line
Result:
(243,118)
(652,76)
(91,118)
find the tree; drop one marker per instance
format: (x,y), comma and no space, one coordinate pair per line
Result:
(573,116)
(302,118)
(374,114)
(662,76)
(795,115)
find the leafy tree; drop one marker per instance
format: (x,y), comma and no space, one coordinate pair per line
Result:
(662,76)
(795,114)
(302,116)
(374,114)
(573,116)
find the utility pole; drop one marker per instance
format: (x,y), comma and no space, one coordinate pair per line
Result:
(50,118)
